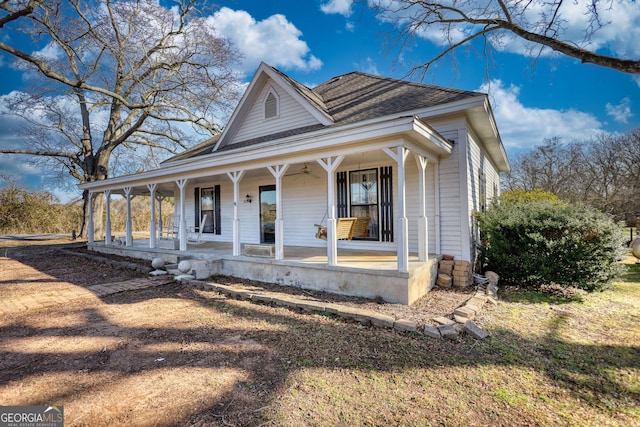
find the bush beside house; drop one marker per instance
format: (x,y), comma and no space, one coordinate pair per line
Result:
(534,239)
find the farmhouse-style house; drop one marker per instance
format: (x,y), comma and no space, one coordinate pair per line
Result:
(357,186)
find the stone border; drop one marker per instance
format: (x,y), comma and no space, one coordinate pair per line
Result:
(447,328)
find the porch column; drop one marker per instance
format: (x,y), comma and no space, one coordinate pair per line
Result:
(423,224)
(152,223)
(182,230)
(330,164)
(235,177)
(278,172)
(90,226)
(436,186)
(107,226)
(160,225)
(129,235)
(400,156)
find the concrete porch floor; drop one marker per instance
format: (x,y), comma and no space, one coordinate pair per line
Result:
(362,273)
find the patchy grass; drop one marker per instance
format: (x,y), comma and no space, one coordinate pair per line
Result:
(178,356)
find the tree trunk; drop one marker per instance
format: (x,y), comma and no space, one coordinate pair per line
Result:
(98,216)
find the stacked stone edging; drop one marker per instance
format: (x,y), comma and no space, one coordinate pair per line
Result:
(447,327)
(458,274)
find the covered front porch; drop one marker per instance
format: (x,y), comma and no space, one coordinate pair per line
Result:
(358,272)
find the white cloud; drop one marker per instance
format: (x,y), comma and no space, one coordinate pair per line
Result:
(621,112)
(340,7)
(368,66)
(523,127)
(50,52)
(274,40)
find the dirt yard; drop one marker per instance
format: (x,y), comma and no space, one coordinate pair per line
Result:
(168,355)
(172,355)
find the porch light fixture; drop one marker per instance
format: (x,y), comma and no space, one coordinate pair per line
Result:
(247,198)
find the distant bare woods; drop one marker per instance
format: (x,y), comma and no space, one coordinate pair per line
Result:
(27,212)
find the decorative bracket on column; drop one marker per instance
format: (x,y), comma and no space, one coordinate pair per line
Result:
(107,226)
(129,235)
(152,222)
(330,164)
(278,172)
(423,224)
(235,177)
(400,156)
(182,229)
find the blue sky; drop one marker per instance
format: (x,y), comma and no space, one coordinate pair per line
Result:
(314,40)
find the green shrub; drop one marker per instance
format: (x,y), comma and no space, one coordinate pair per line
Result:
(535,241)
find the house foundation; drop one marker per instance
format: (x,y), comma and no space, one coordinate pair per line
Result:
(355,275)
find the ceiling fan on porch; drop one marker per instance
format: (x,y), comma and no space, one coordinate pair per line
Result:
(304,170)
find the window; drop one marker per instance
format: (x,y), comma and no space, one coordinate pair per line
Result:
(207,202)
(271,106)
(482,182)
(363,186)
(368,193)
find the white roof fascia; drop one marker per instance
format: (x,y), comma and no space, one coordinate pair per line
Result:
(480,115)
(331,141)
(251,93)
(497,150)
(321,116)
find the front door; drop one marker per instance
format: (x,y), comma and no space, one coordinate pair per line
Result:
(268,214)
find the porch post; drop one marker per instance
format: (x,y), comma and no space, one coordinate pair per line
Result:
(182,230)
(160,215)
(90,226)
(107,226)
(423,224)
(400,156)
(436,186)
(152,223)
(330,164)
(278,172)
(129,235)
(235,177)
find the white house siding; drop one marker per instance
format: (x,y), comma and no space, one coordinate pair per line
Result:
(452,177)
(479,164)
(291,116)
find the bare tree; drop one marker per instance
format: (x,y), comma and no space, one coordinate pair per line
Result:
(602,172)
(552,166)
(110,77)
(541,23)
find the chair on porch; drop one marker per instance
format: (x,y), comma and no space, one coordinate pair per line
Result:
(344,229)
(195,233)
(173,225)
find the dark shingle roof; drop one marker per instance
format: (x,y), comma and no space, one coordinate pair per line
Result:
(351,98)
(358,96)
(200,149)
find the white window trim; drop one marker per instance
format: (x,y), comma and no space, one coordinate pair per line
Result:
(271,91)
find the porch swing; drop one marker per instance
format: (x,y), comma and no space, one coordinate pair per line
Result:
(346,228)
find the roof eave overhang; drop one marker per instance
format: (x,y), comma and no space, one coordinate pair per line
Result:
(331,141)
(480,116)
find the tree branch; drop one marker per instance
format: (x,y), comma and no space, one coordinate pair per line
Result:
(17,13)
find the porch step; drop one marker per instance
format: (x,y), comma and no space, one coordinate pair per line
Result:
(259,250)
(201,269)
